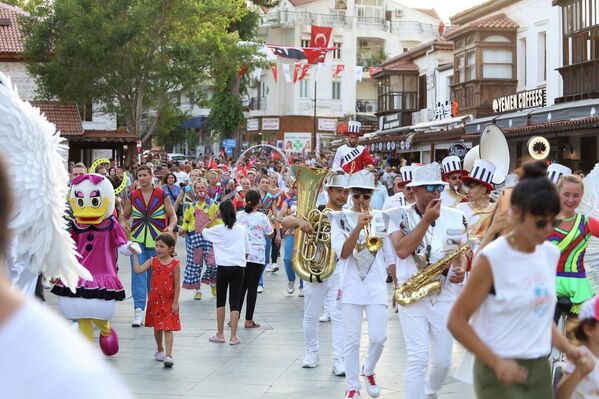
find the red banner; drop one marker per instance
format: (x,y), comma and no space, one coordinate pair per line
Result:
(273,68)
(320,36)
(338,69)
(305,69)
(296,71)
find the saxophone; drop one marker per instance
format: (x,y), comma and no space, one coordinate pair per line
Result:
(313,257)
(426,281)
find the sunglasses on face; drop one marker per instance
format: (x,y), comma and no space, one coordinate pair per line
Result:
(357,196)
(544,222)
(454,178)
(438,187)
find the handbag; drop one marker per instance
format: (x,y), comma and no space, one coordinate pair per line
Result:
(202,220)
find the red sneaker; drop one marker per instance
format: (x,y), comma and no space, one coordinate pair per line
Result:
(352,394)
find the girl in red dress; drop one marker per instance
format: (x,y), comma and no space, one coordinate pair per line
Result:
(163,301)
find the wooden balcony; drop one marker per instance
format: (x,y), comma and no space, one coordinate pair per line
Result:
(581,81)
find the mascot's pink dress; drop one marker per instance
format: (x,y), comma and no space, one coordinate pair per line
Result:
(98,236)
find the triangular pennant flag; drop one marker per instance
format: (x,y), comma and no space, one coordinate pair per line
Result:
(273,68)
(305,69)
(257,73)
(286,73)
(296,72)
(358,73)
(338,69)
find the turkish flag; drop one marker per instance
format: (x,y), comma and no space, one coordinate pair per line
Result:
(242,71)
(338,69)
(296,72)
(320,36)
(273,68)
(305,69)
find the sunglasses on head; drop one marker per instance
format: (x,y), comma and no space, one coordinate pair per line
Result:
(432,187)
(544,222)
(363,195)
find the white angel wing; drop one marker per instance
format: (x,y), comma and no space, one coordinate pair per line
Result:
(33,152)
(590,206)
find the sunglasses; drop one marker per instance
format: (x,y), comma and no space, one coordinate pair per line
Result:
(365,196)
(431,188)
(544,222)
(454,178)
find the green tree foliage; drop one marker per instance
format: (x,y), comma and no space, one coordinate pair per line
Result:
(168,131)
(134,56)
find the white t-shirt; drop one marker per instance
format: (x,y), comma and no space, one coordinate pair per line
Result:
(230,245)
(447,234)
(257,227)
(42,357)
(181,176)
(588,388)
(395,201)
(516,321)
(373,289)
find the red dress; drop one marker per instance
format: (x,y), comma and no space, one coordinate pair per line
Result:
(160,300)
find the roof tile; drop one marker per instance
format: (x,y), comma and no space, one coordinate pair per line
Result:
(493,22)
(65,115)
(11,39)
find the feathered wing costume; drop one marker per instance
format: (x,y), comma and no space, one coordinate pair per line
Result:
(590,206)
(33,150)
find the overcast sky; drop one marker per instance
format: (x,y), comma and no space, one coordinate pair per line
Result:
(445,8)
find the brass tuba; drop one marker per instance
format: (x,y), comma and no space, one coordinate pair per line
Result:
(313,257)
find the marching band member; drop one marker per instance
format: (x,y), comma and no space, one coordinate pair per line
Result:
(423,234)
(452,174)
(324,293)
(399,183)
(479,208)
(363,287)
(351,157)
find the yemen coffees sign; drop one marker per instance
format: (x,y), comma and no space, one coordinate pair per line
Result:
(519,101)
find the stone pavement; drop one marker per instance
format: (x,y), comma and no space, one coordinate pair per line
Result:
(267,363)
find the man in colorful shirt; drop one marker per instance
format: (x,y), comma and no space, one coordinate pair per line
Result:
(152,213)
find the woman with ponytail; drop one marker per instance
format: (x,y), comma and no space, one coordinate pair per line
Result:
(230,243)
(258,229)
(504,314)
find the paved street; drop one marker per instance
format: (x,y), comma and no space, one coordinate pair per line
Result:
(267,363)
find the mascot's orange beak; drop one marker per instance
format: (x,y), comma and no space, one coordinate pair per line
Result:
(89,215)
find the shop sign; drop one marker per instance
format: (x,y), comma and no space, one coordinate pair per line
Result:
(270,124)
(522,100)
(229,143)
(459,150)
(442,110)
(297,142)
(391,121)
(327,125)
(253,125)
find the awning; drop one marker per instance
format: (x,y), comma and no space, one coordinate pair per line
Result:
(197,122)
(513,119)
(565,111)
(442,124)
(476,126)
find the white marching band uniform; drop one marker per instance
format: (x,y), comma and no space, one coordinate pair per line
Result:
(362,295)
(426,320)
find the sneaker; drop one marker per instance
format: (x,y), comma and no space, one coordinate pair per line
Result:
(373,390)
(260,289)
(213,289)
(274,268)
(310,360)
(168,362)
(338,367)
(432,396)
(138,319)
(352,394)
(268,267)
(325,317)
(198,295)
(159,356)
(290,287)
(301,292)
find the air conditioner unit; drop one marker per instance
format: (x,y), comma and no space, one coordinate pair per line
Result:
(341,5)
(398,12)
(363,43)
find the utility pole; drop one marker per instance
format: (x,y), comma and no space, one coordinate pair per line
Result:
(314,133)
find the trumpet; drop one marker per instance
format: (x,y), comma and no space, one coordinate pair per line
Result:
(373,243)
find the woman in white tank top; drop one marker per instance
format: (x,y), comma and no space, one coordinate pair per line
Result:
(504,314)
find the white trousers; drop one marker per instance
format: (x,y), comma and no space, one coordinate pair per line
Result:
(377,335)
(315,296)
(424,328)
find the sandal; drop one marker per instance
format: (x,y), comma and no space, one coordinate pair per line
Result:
(216,339)
(236,341)
(253,325)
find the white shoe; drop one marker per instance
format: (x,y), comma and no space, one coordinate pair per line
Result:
(325,317)
(301,292)
(159,356)
(274,267)
(168,362)
(268,267)
(371,387)
(290,287)
(310,360)
(432,396)
(260,289)
(338,367)
(138,319)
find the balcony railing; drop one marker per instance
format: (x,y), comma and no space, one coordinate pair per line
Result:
(257,104)
(412,27)
(368,105)
(372,22)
